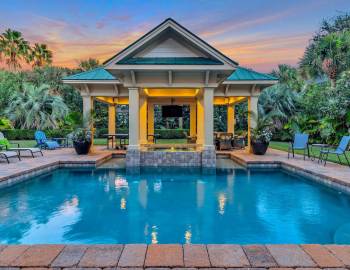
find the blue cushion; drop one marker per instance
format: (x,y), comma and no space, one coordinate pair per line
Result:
(52,145)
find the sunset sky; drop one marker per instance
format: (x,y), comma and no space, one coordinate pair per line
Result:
(258,34)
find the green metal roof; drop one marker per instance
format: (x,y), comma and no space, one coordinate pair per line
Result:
(244,74)
(169,61)
(94,74)
(240,74)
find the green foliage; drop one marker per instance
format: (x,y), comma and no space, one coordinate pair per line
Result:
(289,77)
(36,107)
(220,118)
(81,135)
(40,55)
(28,134)
(14,49)
(171,133)
(329,51)
(89,64)
(9,83)
(5,123)
(278,103)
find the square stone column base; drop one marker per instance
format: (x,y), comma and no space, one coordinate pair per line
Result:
(133,157)
(208,157)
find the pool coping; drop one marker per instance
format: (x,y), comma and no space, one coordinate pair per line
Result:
(332,182)
(236,156)
(166,256)
(25,174)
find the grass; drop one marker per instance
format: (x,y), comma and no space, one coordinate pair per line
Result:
(283,146)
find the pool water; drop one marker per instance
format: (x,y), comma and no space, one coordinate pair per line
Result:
(172,206)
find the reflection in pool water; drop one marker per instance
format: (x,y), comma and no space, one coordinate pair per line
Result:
(175,205)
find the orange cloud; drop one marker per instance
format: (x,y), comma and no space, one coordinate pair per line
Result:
(72,43)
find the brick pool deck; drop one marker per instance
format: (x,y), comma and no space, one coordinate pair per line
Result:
(140,256)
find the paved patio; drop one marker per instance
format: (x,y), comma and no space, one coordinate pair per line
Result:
(332,174)
(138,256)
(66,156)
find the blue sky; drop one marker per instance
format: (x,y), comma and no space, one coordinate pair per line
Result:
(257,34)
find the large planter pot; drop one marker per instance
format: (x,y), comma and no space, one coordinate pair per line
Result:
(259,148)
(82,148)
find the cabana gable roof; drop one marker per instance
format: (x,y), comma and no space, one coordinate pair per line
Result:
(205,54)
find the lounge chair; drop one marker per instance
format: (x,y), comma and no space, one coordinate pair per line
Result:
(300,143)
(8,154)
(339,151)
(43,142)
(18,149)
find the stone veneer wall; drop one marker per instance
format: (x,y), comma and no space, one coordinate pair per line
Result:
(163,158)
(205,158)
(132,158)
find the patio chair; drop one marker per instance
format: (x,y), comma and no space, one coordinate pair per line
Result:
(301,142)
(32,150)
(8,154)
(339,151)
(225,141)
(43,142)
(238,142)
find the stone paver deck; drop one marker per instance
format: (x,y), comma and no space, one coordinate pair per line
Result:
(139,256)
(64,156)
(331,173)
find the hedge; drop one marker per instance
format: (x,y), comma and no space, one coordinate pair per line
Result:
(171,133)
(28,134)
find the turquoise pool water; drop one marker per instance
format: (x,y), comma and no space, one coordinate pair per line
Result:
(172,206)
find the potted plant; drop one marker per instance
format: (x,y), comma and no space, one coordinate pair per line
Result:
(82,141)
(261,136)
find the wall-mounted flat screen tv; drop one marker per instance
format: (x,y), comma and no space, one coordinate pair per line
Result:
(171,111)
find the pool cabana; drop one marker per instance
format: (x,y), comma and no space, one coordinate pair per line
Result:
(170,65)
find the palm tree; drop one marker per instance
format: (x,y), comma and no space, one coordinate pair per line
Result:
(40,55)
(289,76)
(36,108)
(279,103)
(14,48)
(328,55)
(89,64)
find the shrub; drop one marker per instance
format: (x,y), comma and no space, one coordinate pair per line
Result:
(171,133)
(28,134)
(5,123)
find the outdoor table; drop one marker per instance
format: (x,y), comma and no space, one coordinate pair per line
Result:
(321,146)
(113,137)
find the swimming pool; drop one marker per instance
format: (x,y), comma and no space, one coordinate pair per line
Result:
(178,205)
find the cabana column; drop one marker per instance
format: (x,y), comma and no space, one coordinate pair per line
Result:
(231,118)
(111,119)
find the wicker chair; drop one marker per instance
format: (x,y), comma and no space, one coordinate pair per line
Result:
(225,141)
